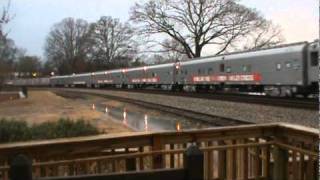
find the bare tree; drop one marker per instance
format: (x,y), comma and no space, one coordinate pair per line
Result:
(8,54)
(197,23)
(48,68)
(265,36)
(170,51)
(68,45)
(113,42)
(173,51)
(4,19)
(7,47)
(29,66)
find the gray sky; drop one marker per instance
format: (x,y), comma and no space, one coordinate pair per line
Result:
(34,18)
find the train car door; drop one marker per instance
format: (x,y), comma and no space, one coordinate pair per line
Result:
(175,72)
(124,78)
(313,65)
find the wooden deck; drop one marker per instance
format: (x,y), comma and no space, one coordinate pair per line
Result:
(268,151)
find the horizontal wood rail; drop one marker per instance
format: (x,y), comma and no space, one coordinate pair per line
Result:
(176,174)
(265,151)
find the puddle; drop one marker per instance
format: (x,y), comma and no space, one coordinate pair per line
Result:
(142,121)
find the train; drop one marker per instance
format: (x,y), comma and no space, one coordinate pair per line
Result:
(285,70)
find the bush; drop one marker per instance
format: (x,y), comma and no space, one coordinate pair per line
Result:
(12,130)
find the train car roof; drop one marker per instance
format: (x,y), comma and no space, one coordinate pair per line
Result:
(71,75)
(80,75)
(156,66)
(56,77)
(296,47)
(108,71)
(140,68)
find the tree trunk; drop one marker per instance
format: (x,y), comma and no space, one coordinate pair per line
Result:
(198,50)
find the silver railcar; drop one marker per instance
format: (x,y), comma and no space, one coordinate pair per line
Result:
(284,70)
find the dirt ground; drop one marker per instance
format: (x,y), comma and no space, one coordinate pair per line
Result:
(42,106)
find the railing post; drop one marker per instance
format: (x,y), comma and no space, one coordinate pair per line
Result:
(222,165)
(157,146)
(130,164)
(20,168)
(280,164)
(193,163)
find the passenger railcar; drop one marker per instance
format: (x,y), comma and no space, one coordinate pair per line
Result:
(29,82)
(284,70)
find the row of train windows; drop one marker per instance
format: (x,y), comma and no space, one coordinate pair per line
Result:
(228,69)
(314,61)
(125,75)
(288,65)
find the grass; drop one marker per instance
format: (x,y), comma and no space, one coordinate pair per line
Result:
(14,131)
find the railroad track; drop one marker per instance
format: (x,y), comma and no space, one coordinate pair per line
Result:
(300,103)
(207,118)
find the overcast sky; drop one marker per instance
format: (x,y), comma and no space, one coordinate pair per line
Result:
(34,18)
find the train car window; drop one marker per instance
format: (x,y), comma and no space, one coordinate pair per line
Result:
(228,69)
(296,66)
(314,58)
(278,66)
(153,74)
(288,64)
(209,71)
(249,68)
(199,71)
(245,68)
(186,72)
(221,67)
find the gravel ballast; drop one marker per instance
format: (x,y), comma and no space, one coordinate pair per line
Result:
(242,111)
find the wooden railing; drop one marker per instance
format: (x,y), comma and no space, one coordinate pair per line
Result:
(270,151)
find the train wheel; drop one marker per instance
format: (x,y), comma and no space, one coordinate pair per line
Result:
(197,89)
(173,88)
(288,93)
(180,88)
(273,91)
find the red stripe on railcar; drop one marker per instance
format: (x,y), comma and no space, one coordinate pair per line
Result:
(256,77)
(147,80)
